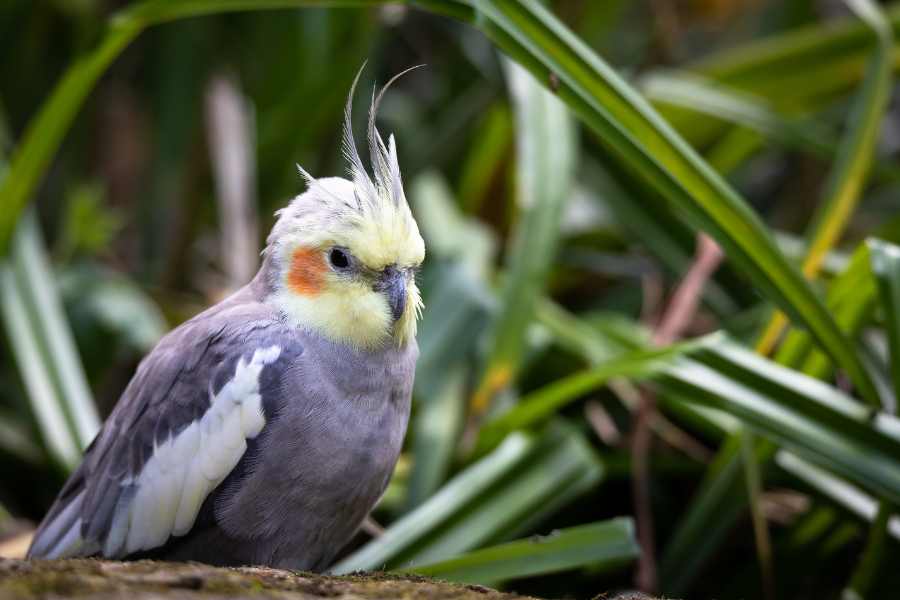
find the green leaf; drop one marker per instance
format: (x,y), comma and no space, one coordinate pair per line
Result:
(88,226)
(857,502)
(886,268)
(872,558)
(458,311)
(36,323)
(488,158)
(449,234)
(690,91)
(435,429)
(575,334)
(721,498)
(46,131)
(720,501)
(597,545)
(540,405)
(545,163)
(794,71)
(112,302)
(849,298)
(848,175)
(836,489)
(461,490)
(634,133)
(59,440)
(812,419)
(801,65)
(40,288)
(761,538)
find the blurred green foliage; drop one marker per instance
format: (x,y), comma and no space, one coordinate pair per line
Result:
(563,247)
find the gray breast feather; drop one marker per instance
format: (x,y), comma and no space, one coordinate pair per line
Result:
(179,429)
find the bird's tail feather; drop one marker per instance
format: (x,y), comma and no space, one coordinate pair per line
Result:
(59,536)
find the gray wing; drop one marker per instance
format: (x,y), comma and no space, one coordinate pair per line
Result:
(179,429)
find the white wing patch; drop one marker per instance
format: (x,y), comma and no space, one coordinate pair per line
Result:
(184,469)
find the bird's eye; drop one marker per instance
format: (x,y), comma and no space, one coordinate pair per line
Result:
(338,258)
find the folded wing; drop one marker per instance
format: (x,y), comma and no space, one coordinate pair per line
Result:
(179,430)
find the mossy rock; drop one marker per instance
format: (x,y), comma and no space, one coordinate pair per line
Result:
(145,580)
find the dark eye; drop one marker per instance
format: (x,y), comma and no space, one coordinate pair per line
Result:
(338,258)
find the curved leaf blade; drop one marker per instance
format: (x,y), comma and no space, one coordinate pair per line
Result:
(634,133)
(597,545)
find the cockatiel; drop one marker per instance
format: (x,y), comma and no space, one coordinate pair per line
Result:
(264,430)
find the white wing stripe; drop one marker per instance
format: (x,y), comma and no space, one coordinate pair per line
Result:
(184,469)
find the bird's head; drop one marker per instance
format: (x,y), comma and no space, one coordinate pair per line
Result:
(344,254)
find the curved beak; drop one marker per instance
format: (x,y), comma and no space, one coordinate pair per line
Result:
(393,284)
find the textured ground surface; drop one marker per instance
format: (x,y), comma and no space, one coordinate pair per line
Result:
(145,580)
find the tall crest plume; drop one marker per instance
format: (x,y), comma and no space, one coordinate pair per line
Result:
(387,183)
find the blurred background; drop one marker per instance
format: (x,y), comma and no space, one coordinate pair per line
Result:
(548,258)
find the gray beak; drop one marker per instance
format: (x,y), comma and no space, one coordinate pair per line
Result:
(393,284)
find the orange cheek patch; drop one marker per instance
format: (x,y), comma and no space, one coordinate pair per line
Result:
(307,272)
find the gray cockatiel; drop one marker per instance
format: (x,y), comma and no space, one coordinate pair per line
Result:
(264,430)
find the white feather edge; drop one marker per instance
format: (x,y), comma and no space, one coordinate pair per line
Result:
(184,469)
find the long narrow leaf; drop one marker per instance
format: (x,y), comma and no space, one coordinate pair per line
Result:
(45,133)
(819,59)
(719,503)
(886,267)
(842,493)
(800,413)
(459,306)
(39,286)
(815,420)
(691,92)
(697,94)
(436,427)
(542,404)
(597,545)
(545,162)
(560,467)
(46,406)
(848,175)
(720,498)
(636,135)
(851,297)
(794,71)
(844,190)
(462,489)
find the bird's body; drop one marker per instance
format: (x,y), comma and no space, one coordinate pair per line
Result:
(264,430)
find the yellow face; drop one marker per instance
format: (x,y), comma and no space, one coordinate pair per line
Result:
(354,282)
